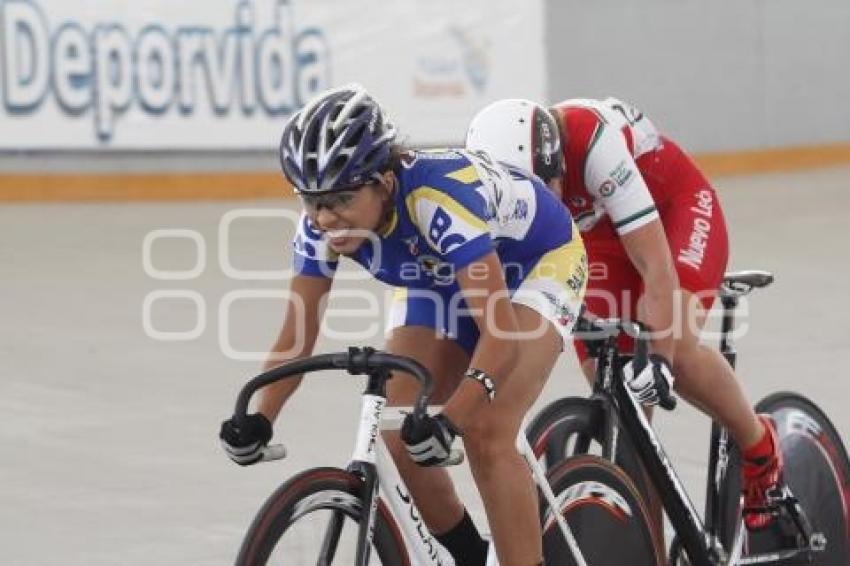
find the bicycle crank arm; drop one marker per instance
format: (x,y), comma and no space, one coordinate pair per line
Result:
(780,557)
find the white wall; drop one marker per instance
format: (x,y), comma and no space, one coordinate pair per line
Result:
(715,74)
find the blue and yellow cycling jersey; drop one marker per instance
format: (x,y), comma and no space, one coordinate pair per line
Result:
(452,207)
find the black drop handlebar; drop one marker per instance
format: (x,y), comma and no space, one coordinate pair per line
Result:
(367,361)
(357,361)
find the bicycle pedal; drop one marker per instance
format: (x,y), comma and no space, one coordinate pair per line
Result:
(772,508)
(780,494)
(780,503)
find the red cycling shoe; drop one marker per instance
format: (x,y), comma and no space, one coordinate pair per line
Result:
(762,473)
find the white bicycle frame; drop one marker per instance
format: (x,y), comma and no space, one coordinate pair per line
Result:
(421,545)
(372,459)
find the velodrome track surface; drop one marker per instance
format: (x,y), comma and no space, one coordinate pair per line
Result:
(109,438)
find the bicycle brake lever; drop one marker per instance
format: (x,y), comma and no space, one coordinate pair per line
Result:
(273,452)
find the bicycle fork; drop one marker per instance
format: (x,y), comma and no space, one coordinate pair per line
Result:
(363,464)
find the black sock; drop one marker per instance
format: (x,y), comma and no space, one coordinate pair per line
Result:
(464,543)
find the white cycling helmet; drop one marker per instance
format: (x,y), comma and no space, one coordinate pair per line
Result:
(520,133)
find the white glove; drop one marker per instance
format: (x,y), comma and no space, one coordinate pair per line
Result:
(652,382)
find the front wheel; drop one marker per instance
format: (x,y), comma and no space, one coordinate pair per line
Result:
(571,426)
(817,471)
(604,512)
(313,519)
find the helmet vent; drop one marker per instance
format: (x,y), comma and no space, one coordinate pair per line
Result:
(311,168)
(331,137)
(337,140)
(336,166)
(296,137)
(358,135)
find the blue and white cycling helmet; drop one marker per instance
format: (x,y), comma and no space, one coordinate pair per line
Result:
(339,140)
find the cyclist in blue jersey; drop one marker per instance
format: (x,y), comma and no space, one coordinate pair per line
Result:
(490,272)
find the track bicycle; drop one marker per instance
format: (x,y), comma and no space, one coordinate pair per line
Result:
(813,524)
(364,514)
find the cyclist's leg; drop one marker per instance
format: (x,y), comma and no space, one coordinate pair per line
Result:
(706,380)
(704,377)
(418,328)
(546,302)
(415,331)
(501,474)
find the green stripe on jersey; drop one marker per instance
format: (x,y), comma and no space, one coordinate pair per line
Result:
(635,216)
(597,133)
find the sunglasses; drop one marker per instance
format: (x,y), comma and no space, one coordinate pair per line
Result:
(331,201)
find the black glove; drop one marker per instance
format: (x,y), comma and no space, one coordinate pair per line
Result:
(429,443)
(244,440)
(651,383)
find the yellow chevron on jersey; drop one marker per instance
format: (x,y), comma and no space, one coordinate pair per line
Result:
(566,265)
(467,175)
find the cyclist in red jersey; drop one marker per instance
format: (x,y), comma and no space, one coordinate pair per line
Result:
(657,244)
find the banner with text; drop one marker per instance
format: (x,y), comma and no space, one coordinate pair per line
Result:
(225,74)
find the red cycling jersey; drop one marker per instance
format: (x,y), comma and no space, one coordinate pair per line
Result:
(620,174)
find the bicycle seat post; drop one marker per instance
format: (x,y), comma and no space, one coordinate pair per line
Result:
(727,339)
(736,285)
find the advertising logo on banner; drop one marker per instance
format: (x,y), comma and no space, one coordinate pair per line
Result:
(156,74)
(462,67)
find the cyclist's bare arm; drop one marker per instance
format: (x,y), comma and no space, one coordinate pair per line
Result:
(632,210)
(482,281)
(303,315)
(648,251)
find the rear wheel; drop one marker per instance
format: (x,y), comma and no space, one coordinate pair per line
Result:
(313,519)
(817,471)
(605,513)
